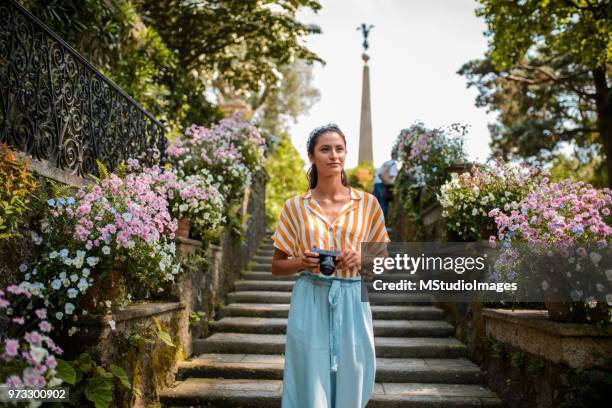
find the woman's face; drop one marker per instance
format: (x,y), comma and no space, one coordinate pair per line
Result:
(329,154)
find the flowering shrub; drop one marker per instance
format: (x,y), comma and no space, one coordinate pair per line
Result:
(28,356)
(115,232)
(467,198)
(425,155)
(17,186)
(560,215)
(567,225)
(232,151)
(195,197)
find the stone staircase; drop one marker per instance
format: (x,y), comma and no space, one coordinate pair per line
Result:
(419,363)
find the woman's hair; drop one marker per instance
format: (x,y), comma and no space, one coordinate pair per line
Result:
(312,174)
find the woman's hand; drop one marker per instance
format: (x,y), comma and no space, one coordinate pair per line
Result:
(348,259)
(310,260)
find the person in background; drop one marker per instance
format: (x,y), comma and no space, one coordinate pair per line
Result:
(383,182)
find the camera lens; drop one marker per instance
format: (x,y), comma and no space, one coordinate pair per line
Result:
(327,265)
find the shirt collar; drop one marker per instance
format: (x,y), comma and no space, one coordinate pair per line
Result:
(354,194)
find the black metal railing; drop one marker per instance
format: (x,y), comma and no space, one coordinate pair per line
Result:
(55,106)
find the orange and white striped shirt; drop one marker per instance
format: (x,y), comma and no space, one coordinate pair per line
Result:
(303,225)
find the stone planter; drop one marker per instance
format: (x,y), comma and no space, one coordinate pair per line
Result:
(577,312)
(184,225)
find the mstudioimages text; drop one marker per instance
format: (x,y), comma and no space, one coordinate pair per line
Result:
(436,285)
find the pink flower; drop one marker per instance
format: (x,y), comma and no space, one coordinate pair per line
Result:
(11,347)
(45,326)
(41,313)
(14,381)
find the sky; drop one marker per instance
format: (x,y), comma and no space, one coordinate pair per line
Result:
(416,48)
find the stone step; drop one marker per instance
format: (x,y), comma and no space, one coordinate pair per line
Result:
(278,284)
(266,275)
(378,312)
(388,328)
(397,347)
(248,393)
(270,367)
(285,297)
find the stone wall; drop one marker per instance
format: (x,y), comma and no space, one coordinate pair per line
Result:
(202,287)
(528,360)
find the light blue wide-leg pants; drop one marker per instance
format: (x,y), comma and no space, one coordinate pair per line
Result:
(330,360)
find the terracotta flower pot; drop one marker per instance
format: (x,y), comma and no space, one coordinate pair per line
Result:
(105,287)
(183,228)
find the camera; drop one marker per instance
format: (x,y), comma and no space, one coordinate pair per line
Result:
(327,260)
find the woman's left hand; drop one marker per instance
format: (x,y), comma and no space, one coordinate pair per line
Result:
(348,259)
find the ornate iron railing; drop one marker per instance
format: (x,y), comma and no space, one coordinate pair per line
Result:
(55,106)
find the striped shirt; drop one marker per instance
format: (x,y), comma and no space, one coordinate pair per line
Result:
(303,225)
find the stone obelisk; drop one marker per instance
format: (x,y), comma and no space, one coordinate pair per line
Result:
(365,128)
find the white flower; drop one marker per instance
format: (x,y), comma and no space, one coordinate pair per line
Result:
(72,330)
(38,354)
(80,254)
(112,324)
(92,260)
(23,267)
(106,250)
(53,255)
(68,308)
(56,284)
(74,277)
(59,315)
(72,293)
(108,303)
(64,252)
(86,272)
(591,302)
(82,285)
(595,257)
(62,275)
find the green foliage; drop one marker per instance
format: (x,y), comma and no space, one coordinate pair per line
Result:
(517,359)
(89,381)
(497,348)
(577,388)
(362,176)
(150,334)
(536,364)
(168,54)
(284,102)
(546,73)
(287,177)
(195,318)
(592,170)
(16,192)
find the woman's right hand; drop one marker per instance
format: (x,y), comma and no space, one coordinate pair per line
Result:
(310,260)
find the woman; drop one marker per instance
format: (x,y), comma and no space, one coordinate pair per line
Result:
(329,351)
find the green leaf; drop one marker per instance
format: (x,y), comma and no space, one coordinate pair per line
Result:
(165,337)
(100,392)
(65,372)
(85,362)
(121,375)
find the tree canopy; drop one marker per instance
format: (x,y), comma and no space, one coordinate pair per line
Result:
(547,73)
(167,54)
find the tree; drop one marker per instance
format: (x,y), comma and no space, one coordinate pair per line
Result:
(287,177)
(547,73)
(276,107)
(167,54)
(282,103)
